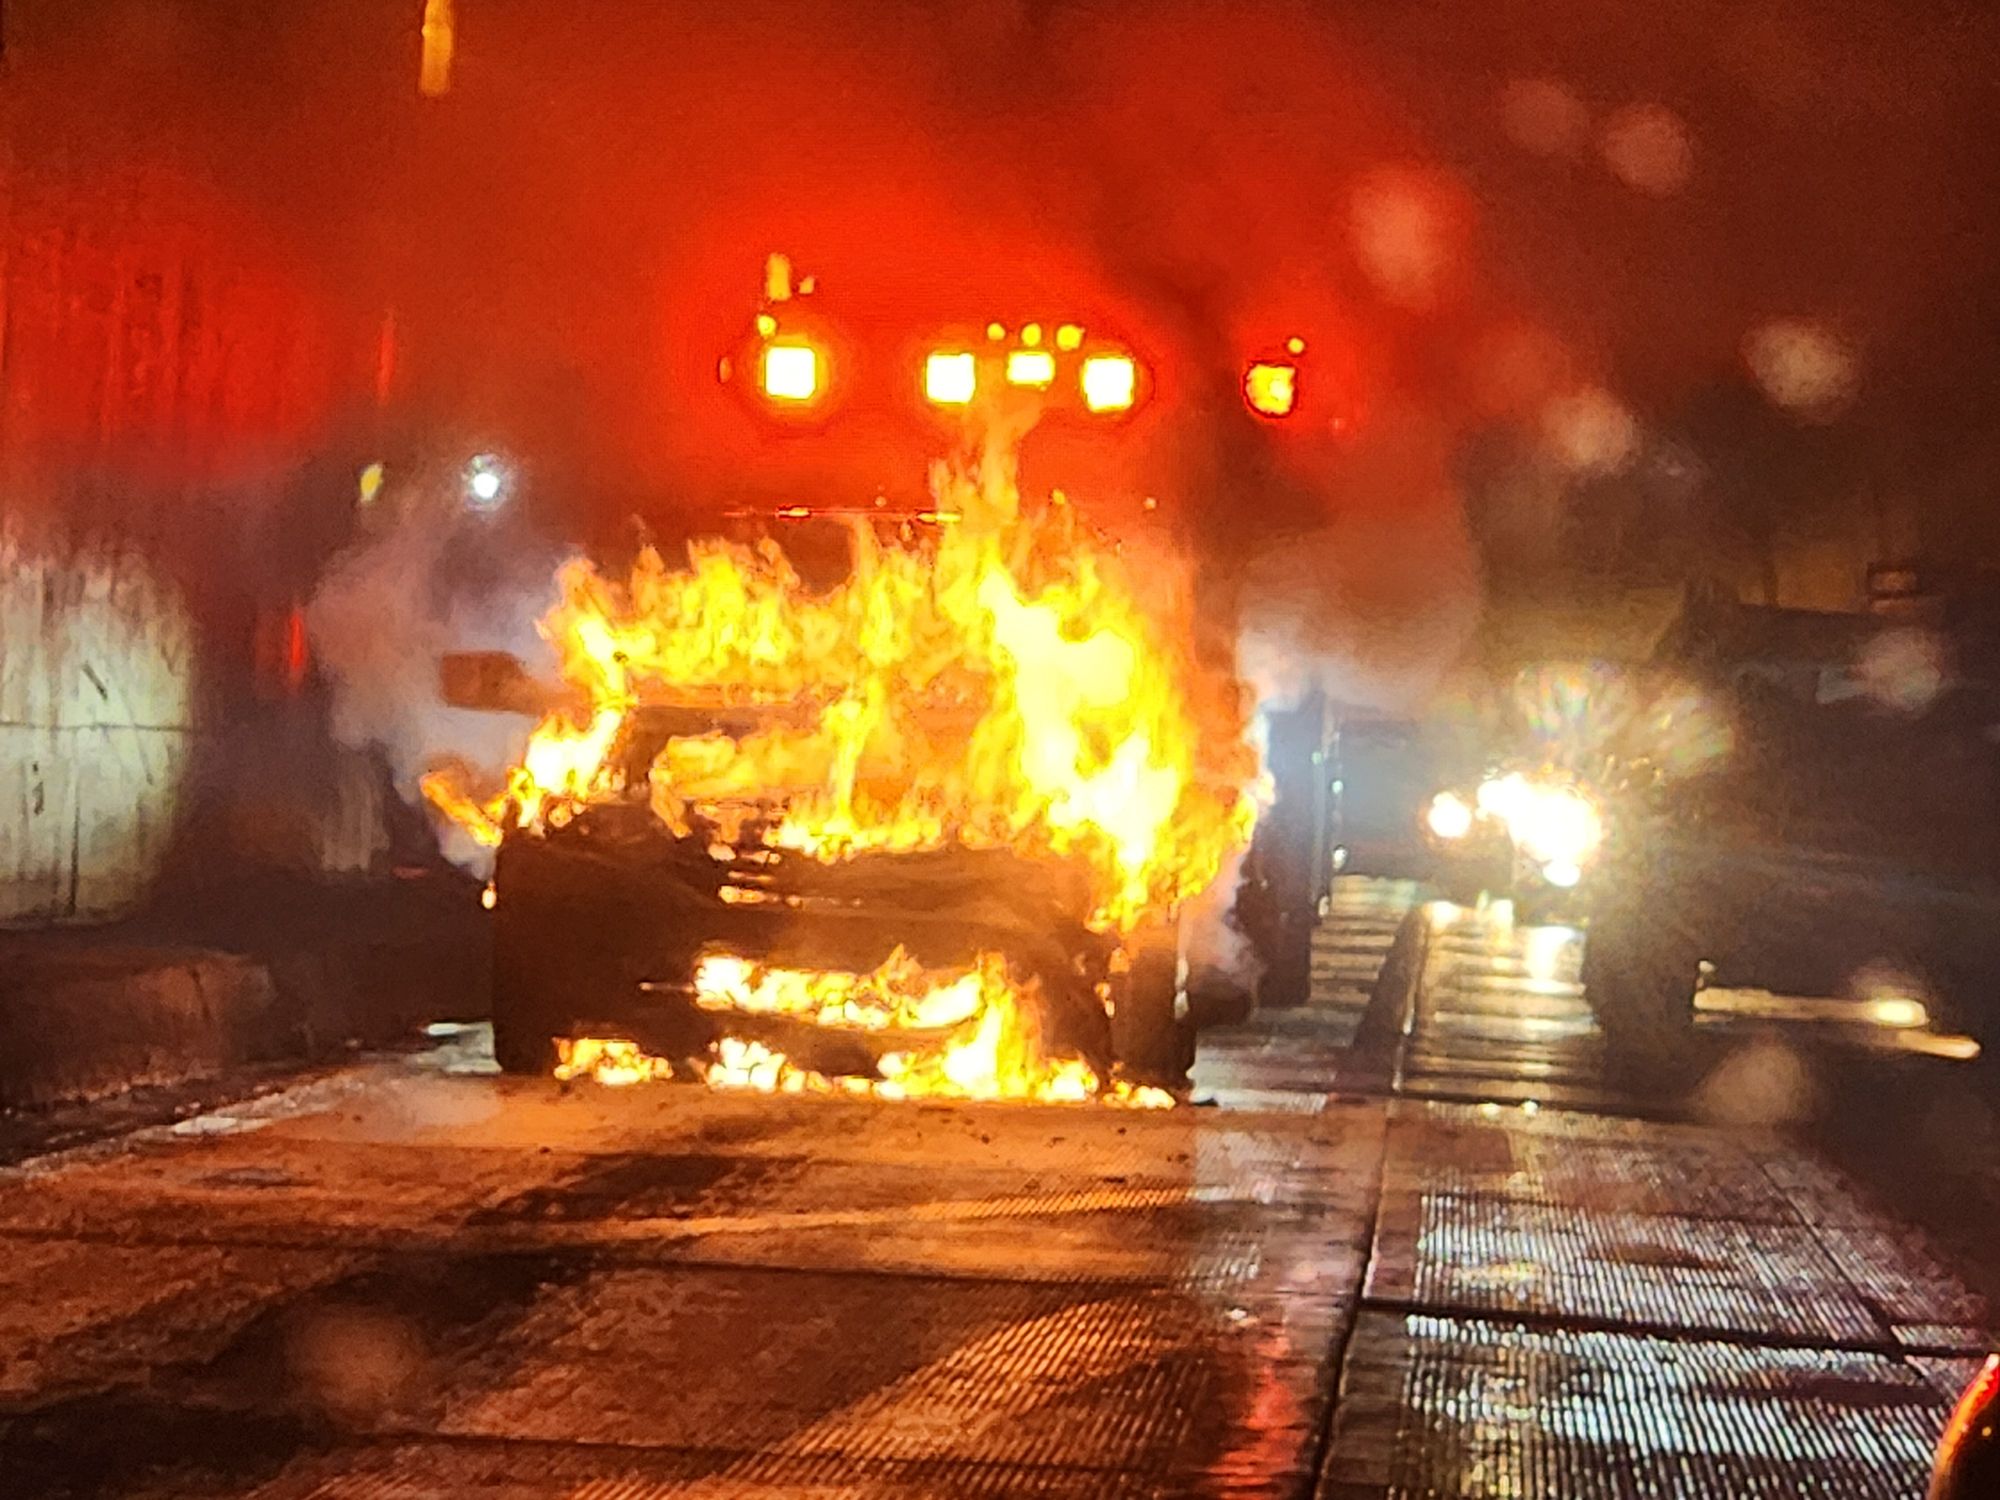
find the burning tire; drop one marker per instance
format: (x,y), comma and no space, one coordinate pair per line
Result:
(1152,1035)
(527,1005)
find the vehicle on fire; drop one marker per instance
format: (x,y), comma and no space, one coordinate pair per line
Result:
(614,922)
(1844,849)
(821,412)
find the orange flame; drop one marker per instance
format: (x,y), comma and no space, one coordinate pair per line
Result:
(991,1051)
(1000,684)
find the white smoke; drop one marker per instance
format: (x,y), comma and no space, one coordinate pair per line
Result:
(1213,943)
(1371,611)
(1373,615)
(430,577)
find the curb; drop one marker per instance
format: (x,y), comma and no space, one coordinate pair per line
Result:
(85,1023)
(1376,1056)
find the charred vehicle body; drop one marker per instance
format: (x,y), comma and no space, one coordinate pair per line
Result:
(614,924)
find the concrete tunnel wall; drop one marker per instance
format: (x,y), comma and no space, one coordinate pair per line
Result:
(162,377)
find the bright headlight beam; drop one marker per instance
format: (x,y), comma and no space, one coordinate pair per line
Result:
(1448,817)
(950,378)
(1553,824)
(791,372)
(1110,382)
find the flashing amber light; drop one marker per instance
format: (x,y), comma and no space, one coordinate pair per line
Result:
(791,372)
(1110,382)
(1272,390)
(1033,367)
(1069,338)
(950,379)
(1295,345)
(1032,335)
(996,331)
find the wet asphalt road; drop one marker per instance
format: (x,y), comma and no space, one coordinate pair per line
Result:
(1452,1265)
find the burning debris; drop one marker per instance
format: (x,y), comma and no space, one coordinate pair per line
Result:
(927,831)
(966,1032)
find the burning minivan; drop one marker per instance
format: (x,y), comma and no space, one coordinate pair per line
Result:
(933,827)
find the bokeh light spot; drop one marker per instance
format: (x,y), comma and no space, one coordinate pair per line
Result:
(1904,670)
(1590,431)
(1647,147)
(1399,238)
(1542,116)
(1802,366)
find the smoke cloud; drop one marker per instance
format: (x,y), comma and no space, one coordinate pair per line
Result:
(1374,607)
(430,576)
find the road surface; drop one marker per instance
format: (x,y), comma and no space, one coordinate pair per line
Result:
(1450,1265)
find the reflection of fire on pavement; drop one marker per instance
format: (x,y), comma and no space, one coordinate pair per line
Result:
(987,741)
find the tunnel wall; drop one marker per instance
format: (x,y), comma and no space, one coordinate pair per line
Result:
(162,373)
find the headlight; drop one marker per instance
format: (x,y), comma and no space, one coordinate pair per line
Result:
(791,372)
(1556,825)
(485,482)
(1448,816)
(1506,798)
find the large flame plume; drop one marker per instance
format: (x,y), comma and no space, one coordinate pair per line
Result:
(997,685)
(1005,679)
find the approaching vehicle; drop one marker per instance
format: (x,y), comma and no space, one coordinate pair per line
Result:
(1845,848)
(1528,835)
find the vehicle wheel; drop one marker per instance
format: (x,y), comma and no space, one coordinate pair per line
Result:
(528,990)
(1641,966)
(555,963)
(1154,1044)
